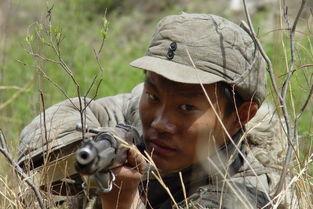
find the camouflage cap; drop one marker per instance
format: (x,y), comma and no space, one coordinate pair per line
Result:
(204,48)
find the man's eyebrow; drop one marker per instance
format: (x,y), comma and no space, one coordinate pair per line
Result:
(149,82)
(184,93)
(191,94)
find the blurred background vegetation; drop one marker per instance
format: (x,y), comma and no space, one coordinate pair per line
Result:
(79,23)
(131,25)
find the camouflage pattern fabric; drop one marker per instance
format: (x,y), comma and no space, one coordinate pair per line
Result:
(250,185)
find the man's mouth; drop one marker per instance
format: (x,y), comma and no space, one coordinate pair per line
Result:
(159,148)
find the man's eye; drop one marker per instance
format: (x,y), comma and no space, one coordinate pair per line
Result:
(187,107)
(151,96)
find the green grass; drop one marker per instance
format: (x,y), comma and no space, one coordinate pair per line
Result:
(128,36)
(81,36)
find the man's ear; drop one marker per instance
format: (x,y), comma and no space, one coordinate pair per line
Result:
(246,111)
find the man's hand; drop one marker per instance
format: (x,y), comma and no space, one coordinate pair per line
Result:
(124,194)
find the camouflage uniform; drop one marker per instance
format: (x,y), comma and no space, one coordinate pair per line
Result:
(241,174)
(203,186)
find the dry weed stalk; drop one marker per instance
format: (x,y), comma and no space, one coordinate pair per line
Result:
(291,127)
(234,189)
(52,39)
(5,152)
(19,91)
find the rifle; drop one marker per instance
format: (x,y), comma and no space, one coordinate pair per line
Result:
(104,151)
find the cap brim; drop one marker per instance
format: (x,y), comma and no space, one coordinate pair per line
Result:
(175,71)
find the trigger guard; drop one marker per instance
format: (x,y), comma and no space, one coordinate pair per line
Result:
(105,183)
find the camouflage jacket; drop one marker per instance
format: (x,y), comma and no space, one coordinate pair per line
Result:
(239,176)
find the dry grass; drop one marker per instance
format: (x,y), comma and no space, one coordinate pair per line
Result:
(294,72)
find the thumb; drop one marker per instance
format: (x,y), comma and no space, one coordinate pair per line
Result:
(136,160)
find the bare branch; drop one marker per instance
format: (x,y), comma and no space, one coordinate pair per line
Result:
(15,95)
(57,50)
(225,129)
(102,44)
(104,31)
(3,144)
(294,138)
(95,95)
(98,60)
(249,27)
(65,67)
(45,126)
(91,85)
(42,57)
(304,106)
(57,86)
(306,66)
(11,88)
(281,97)
(184,189)
(292,47)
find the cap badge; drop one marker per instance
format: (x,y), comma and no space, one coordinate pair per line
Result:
(171,50)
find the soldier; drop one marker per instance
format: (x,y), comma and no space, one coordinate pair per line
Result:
(204,81)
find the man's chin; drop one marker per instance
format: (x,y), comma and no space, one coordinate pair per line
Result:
(165,166)
(162,164)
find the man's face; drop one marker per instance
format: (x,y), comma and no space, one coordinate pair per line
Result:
(179,125)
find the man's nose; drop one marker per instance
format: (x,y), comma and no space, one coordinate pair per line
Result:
(163,124)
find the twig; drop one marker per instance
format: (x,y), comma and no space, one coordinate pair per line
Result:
(11,88)
(306,166)
(65,67)
(281,97)
(42,57)
(95,95)
(282,102)
(98,60)
(91,85)
(297,69)
(305,66)
(102,43)
(104,31)
(160,180)
(44,114)
(15,95)
(56,49)
(91,203)
(281,29)
(292,139)
(304,106)
(292,47)
(7,188)
(239,194)
(19,171)
(184,189)
(57,86)
(81,112)
(46,142)
(222,124)
(35,55)
(3,144)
